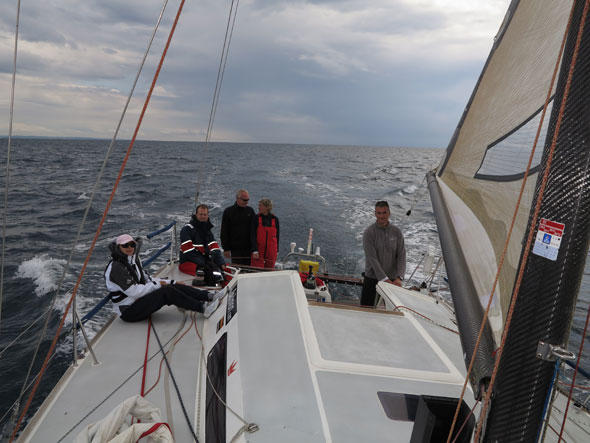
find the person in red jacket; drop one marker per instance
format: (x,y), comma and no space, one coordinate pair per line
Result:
(265,236)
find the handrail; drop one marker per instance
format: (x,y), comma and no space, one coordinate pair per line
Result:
(156,254)
(580,370)
(159,231)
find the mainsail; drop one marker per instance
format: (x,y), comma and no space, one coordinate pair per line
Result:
(482,173)
(477,188)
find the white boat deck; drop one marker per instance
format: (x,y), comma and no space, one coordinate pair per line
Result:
(301,371)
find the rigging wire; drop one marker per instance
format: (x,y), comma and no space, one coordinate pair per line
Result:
(12,87)
(110,394)
(186,417)
(190,326)
(91,199)
(580,351)
(247,427)
(508,236)
(535,216)
(107,208)
(229,30)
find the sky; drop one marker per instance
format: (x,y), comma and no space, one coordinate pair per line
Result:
(340,72)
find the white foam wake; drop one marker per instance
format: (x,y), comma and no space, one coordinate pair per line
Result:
(43,270)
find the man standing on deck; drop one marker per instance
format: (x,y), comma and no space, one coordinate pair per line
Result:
(385,254)
(235,229)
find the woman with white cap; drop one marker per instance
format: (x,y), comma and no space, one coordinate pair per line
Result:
(135,295)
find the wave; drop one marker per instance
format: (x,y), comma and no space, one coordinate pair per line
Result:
(43,270)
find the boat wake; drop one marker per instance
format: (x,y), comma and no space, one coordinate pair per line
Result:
(44,271)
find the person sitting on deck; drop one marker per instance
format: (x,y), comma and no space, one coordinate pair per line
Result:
(198,248)
(135,295)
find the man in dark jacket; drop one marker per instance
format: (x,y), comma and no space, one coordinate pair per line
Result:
(235,229)
(198,247)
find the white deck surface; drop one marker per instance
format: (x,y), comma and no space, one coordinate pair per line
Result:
(313,373)
(91,392)
(303,372)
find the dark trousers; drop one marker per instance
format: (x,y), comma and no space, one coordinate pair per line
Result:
(369,292)
(183,296)
(240,257)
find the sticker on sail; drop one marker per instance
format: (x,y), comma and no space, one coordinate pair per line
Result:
(548,239)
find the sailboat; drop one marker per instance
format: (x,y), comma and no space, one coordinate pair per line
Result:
(269,365)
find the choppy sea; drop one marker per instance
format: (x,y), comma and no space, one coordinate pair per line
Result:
(331,189)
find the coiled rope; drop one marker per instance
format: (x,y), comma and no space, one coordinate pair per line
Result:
(99,229)
(508,237)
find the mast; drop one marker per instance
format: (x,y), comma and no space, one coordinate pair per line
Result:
(552,274)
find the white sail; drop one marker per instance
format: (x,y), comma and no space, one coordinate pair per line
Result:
(482,173)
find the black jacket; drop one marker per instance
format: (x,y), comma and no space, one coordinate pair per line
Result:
(122,272)
(235,228)
(198,243)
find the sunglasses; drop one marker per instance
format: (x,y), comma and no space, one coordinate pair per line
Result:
(129,245)
(244,199)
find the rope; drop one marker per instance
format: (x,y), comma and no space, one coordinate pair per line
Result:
(465,422)
(162,360)
(220,73)
(8,161)
(9,345)
(509,235)
(250,427)
(147,348)
(427,318)
(88,206)
(188,422)
(113,392)
(419,194)
(549,397)
(533,222)
(99,229)
(580,351)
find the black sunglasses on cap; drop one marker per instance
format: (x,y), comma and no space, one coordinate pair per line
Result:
(131,244)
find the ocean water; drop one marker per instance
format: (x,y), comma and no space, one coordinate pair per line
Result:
(331,189)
